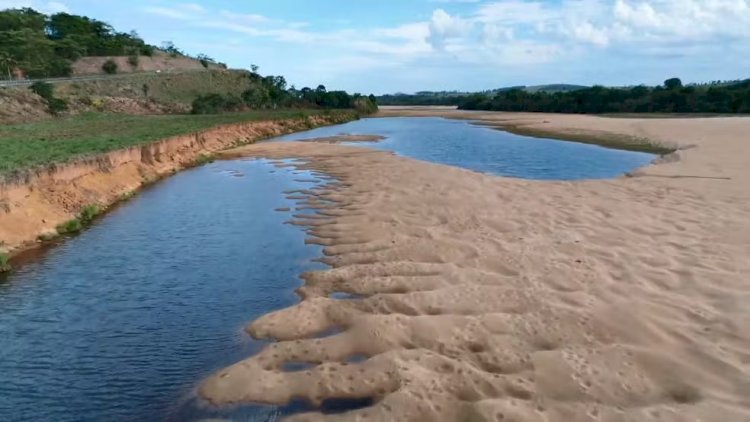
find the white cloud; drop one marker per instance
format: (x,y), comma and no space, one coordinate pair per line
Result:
(501,35)
(444,27)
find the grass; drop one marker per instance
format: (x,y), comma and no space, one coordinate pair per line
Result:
(24,146)
(4,263)
(70,226)
(85,217)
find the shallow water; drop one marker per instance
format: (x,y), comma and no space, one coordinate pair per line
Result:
(462,144)
(123,321)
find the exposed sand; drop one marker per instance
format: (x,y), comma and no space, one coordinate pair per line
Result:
(345,137)
(489,298)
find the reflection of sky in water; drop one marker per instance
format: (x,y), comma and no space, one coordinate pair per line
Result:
(461,144)
(122,321)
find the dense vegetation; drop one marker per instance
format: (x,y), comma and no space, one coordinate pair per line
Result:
(271,92)
(45,46)
(452,98)
(52,141)
(672,97)
(424,98)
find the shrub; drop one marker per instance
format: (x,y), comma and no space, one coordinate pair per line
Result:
(110,67)
(133,60)
(4,263)
(69,227)
(43,89)
(56,105)
(203,159)
(47,91)
(88,213)
(85,217)
(215,103)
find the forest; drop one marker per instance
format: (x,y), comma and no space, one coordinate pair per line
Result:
(271,92)
(671,97)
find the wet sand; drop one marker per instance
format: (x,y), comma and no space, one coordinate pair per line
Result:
(478,297)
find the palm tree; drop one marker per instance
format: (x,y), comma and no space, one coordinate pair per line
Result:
(7,61)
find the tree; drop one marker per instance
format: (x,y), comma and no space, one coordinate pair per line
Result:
(110,67)
(8,62)
(673,83)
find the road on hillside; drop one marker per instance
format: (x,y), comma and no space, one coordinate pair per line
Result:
(26,82)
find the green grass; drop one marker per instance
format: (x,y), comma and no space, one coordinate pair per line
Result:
(85,217)
(4,263)
(70,226)
(23,146)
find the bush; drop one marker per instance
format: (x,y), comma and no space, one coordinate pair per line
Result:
(4,263)
(47,91)
(133,60)
(88,213)
(110,67)
(43,89)
(215,103)
(85,217)
(57,105)
(70,226)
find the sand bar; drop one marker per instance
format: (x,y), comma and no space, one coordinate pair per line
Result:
(486,298)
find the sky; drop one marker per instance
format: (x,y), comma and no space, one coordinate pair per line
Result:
(386,46)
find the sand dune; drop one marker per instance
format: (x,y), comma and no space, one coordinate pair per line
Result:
(487,298)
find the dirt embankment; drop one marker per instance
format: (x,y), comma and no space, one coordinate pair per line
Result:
(46,198)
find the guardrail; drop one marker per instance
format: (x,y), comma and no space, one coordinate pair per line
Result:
(26,82)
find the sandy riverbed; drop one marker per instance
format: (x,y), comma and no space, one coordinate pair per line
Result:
(489,298)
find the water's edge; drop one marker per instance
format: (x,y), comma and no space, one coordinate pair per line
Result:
(30,210)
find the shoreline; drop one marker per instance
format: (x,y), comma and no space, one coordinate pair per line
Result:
(476,296)
(33,206)
(532,125)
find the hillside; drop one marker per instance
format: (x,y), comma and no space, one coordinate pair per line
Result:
(35,45)
(158,62)
(136,77)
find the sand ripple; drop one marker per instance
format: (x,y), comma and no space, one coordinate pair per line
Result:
(483,298)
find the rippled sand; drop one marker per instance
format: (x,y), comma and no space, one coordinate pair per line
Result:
(486,298)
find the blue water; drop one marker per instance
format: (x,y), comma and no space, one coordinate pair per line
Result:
(462,144)
(123,321)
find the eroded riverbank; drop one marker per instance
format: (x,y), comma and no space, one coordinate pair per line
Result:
(34,206)
(478,297)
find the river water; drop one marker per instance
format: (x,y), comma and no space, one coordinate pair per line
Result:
(462,144)
(123,321)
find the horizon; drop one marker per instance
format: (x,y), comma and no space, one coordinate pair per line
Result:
(447,45)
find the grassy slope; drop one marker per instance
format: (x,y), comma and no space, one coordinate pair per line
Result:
(179,87)
(29,145)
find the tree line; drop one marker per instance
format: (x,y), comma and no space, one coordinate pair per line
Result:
(46,46)
(671,97)
(271,92)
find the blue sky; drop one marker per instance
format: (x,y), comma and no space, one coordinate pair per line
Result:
(410,45)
